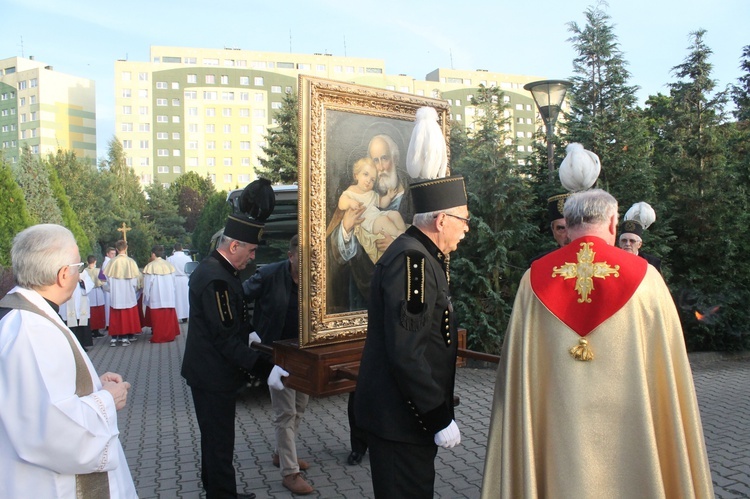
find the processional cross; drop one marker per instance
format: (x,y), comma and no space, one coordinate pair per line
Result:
(124,229)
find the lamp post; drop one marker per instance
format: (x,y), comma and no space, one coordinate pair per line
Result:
(549,96)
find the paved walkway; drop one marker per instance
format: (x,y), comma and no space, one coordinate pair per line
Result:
(160,433)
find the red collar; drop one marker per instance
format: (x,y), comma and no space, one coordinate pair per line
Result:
(586,282)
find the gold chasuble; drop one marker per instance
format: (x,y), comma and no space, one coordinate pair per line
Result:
(594,395)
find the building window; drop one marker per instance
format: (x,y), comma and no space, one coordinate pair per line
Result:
(175,119)
(210,95)
(226,112)
(192,145)
(227,145)
(125,76)
(161,85)
(320,67)
(259,113)
(193,128)
(175,102)
(245,129)
(143,110)
(161,102)
(212,176)
(160,118)
(192,111)
(210,161)
(211,79)
(127,110)
(126,144)
(246,162)
(127,127)
(175,85)
(162,135)
(126,93)
(227,96)
(245,145)
(176,152)
(163,169)
(192,78)
(258,81)
(144,161)
(210,62)
(176,169)
(228,162)
(211,144)
(244,112)
(224,80)
(244,80)
(227,128)
(210,111)
(210,128)
(276,105)
(192,162)
(143,144)
(143,76)
(275,89)
(243,178)
(228,178)
(191,95)
(143,93)
(175,135)
(144,127)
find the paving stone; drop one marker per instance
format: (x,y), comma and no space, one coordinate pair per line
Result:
(162,442)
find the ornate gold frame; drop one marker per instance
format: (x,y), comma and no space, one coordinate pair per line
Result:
(370,107)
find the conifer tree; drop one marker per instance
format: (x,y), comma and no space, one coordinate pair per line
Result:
(494,254)
(31,175)
(280,165)
(69,216)
(15,216)
(211,220)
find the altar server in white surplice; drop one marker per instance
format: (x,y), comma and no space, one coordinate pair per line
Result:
(179,259)
(76,311)
(159,297)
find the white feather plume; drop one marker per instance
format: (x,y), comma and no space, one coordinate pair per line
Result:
(427,156)
(642,213)
(580,168)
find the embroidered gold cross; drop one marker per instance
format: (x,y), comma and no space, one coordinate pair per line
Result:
(584,271)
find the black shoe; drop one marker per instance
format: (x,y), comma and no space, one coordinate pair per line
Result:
(354,458)
(97,334)
(246,496)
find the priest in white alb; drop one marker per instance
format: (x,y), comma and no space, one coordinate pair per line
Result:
(58,418)
(76,311)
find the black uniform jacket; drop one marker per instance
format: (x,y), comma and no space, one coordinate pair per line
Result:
(217,354)
(406,377)
(653,260)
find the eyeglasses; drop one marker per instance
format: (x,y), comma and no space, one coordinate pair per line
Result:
(78,266)
(464,220)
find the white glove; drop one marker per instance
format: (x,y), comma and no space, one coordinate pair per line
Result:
(274,379)
(448,437)
(254,338)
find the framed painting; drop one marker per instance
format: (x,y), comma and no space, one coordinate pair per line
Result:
(353,197)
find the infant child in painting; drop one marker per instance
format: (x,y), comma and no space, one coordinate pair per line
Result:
(362,193)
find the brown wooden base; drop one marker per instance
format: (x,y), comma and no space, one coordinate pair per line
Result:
(329,369)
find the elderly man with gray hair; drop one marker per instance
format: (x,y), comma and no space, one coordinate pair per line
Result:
(58,418)
(594,394)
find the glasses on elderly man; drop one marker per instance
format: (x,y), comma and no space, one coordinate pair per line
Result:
(77,266)
(464,220)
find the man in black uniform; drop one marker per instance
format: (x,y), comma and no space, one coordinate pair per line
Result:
(217,352)
(404,396)
(638,218)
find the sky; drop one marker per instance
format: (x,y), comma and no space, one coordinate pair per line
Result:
(85,37)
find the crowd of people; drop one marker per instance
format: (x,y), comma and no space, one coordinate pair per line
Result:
(594,395)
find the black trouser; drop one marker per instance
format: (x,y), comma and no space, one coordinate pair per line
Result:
(401,470)
(357,435)
(215,413)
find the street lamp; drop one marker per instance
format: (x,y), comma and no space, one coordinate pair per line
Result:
(549,96)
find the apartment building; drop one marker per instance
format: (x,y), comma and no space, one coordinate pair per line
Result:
(45,109)
(209,110)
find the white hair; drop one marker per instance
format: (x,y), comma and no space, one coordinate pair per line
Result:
(39,252)
(587,208)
